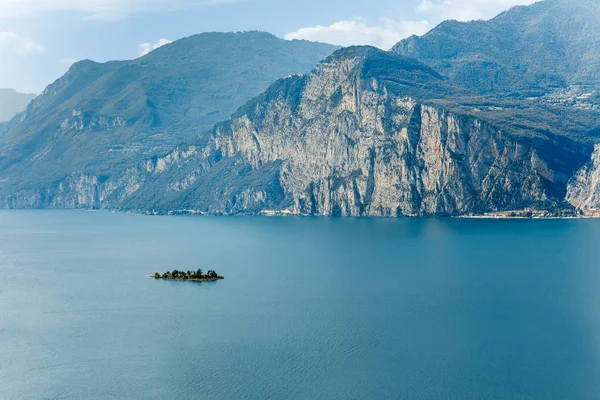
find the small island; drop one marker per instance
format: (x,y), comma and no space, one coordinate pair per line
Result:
(196,276)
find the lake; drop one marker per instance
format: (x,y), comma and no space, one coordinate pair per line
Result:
(310,308)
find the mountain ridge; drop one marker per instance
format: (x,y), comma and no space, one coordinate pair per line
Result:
(528,49)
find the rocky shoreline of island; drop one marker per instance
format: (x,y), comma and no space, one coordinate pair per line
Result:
(194,276)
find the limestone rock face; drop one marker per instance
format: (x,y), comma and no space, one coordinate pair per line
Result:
(351,146)
(584,188)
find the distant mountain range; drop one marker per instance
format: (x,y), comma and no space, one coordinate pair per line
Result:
(471,117)
(525,51)
(12,103)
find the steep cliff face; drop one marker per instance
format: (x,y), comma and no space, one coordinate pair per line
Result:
(584,188)
(361,135)
(357,143)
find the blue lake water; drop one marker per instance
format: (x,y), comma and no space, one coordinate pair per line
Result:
(309,308)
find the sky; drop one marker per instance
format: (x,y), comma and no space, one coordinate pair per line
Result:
(40,39)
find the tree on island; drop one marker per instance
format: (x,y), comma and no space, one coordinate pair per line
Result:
(188,275)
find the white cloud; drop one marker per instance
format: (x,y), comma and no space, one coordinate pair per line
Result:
(17,44)
(388,32)
(68,61)
(100,9)
(465,10)
(146,48)
(384,35)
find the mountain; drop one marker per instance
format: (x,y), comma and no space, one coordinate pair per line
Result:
(365,133)
(536,67)
(527,51)
(539,62)
(99,118)
(12,103)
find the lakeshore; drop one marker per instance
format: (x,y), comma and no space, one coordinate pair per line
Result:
(529,213)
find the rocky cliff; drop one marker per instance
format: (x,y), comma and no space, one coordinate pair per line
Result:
(362,134)
(584,188)
(359,140)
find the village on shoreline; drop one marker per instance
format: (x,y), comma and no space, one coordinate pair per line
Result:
(532,213)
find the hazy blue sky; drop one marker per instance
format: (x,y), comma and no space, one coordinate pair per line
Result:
(39,39)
